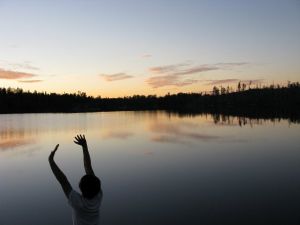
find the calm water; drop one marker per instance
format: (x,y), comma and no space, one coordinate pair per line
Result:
(155,168)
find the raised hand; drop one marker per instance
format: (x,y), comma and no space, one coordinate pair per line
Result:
(80,140)
(51,156)
(60,176)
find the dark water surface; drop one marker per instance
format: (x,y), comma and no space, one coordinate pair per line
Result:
(156,168)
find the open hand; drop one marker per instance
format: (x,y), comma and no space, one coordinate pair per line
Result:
(51,156)
(80,140)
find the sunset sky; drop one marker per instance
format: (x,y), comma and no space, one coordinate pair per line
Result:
(119,48)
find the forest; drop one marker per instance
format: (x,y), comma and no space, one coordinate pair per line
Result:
(272,101)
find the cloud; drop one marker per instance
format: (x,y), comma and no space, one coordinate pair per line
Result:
(30,81)
(186,82)
(146,56)
(233,80)
(187,68)
(167,80)
(116,76)
(167,68)
(225,81)
(197,69)
(232,64)
(172,74)
(160,81)
(12,75)
(25,66)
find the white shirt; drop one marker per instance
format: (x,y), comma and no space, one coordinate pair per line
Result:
(85,211)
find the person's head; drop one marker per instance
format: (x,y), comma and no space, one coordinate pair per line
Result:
(89,186)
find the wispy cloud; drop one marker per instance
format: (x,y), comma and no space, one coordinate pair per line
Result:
(233,80)
(168,68)
(219,82)
(232,64)
(116,76)
(167,80)
(172,75)
(146,56)
(25,66)
(188,68)
(12,75)
(175,75)
(30,81)
(197,69)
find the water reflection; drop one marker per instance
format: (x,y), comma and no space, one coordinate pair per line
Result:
(110,134)
(12,144)
(16,140)
(262,116)
(227,120)
(177,133)
(156,168)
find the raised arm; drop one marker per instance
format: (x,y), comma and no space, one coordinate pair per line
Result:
(80,140)
(60,176)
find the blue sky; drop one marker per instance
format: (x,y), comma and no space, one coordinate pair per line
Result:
(117,48)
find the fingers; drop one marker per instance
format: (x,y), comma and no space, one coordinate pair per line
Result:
(79,137)
(80,140)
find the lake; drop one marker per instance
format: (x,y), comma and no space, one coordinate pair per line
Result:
(155,168)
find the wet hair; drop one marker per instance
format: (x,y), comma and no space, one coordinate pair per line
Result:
(90,186)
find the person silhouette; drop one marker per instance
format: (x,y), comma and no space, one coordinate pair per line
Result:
(85,206)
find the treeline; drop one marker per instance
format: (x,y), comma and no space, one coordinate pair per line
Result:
(17,101)
(273,101)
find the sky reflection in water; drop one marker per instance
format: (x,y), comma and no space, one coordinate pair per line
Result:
(156,168)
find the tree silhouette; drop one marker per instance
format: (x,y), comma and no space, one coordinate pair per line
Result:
(239,87)
(216,91)
(274,101)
